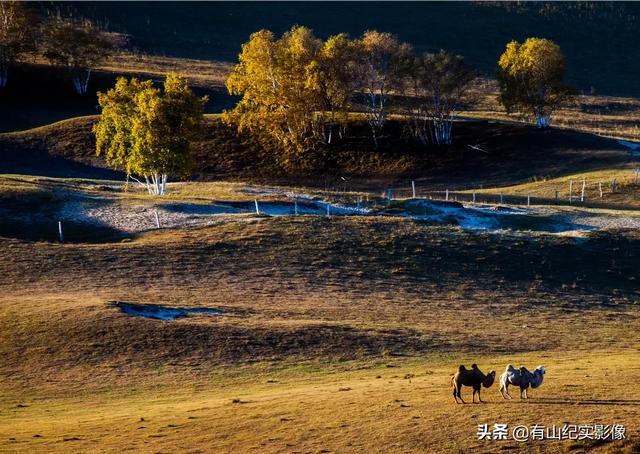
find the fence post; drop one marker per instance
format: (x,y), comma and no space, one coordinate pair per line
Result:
(501,198)
(556,197)
(257,208)
(446,195)
(157,218)
(413,188)
(358,201)
(295,207)
(584,184)
(328,212)
(570,191)
(613,185)
(474,197)
(60,231)
(528,200)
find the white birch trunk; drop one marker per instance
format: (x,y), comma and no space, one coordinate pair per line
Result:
(146,179)
(81,81)
(164,184)
(543,121)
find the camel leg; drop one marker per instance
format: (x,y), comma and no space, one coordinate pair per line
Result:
(473,398)
(506,390)
(479,396)
(454,394)
(526,393)
(460,395)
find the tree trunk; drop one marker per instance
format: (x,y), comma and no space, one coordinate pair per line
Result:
(81,81)
(146,179)
(164,184)
(543,121)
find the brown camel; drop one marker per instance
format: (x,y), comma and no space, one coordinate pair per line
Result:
(474,378)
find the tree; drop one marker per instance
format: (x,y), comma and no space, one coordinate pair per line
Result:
(78,47)
(17,35)
(530,76)
(439,83)
(380,63)
(331,76)
(148,131)
(275,78)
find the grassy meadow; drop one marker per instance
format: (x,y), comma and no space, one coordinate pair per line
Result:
(339,334)
(337,329)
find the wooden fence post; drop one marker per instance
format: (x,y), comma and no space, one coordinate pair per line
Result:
(501,198)
(413,188)
(570,191)
(528,200)
(446,194)
(257,208)
(474,197)
(60,231)
(157,218)
(584,185)
(556,197)
(295,207)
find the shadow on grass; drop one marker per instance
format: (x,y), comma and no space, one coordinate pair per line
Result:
(573,401)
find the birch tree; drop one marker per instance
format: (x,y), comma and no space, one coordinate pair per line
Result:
(531,79)
(279,100)
(149,131)
(17,35)
(439,84)
(77,46)
(332,77)
(380,63)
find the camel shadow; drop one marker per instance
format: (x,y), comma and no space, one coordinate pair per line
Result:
(570,401)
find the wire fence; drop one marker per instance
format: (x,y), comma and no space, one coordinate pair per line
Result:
(579,191)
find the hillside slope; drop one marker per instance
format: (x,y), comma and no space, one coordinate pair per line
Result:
(510,154)
(590,33)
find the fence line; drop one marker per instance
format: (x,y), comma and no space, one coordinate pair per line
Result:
(588,191)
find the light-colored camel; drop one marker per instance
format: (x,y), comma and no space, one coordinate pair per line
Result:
(474,378)
(522,378)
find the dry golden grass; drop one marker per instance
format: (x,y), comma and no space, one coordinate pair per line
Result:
(622,195)
(201,73)
(607,116)
(340,335)
(354,407)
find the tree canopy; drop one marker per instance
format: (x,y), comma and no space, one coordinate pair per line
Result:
(381,63)
(297,89)
(17,35)
(531,78)
(77,46)
(149,131)
(439,83)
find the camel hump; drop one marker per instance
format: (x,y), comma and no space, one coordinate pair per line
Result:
(461,368)
(474,366)
(509,367)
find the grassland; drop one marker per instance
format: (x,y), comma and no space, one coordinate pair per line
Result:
(339,334)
